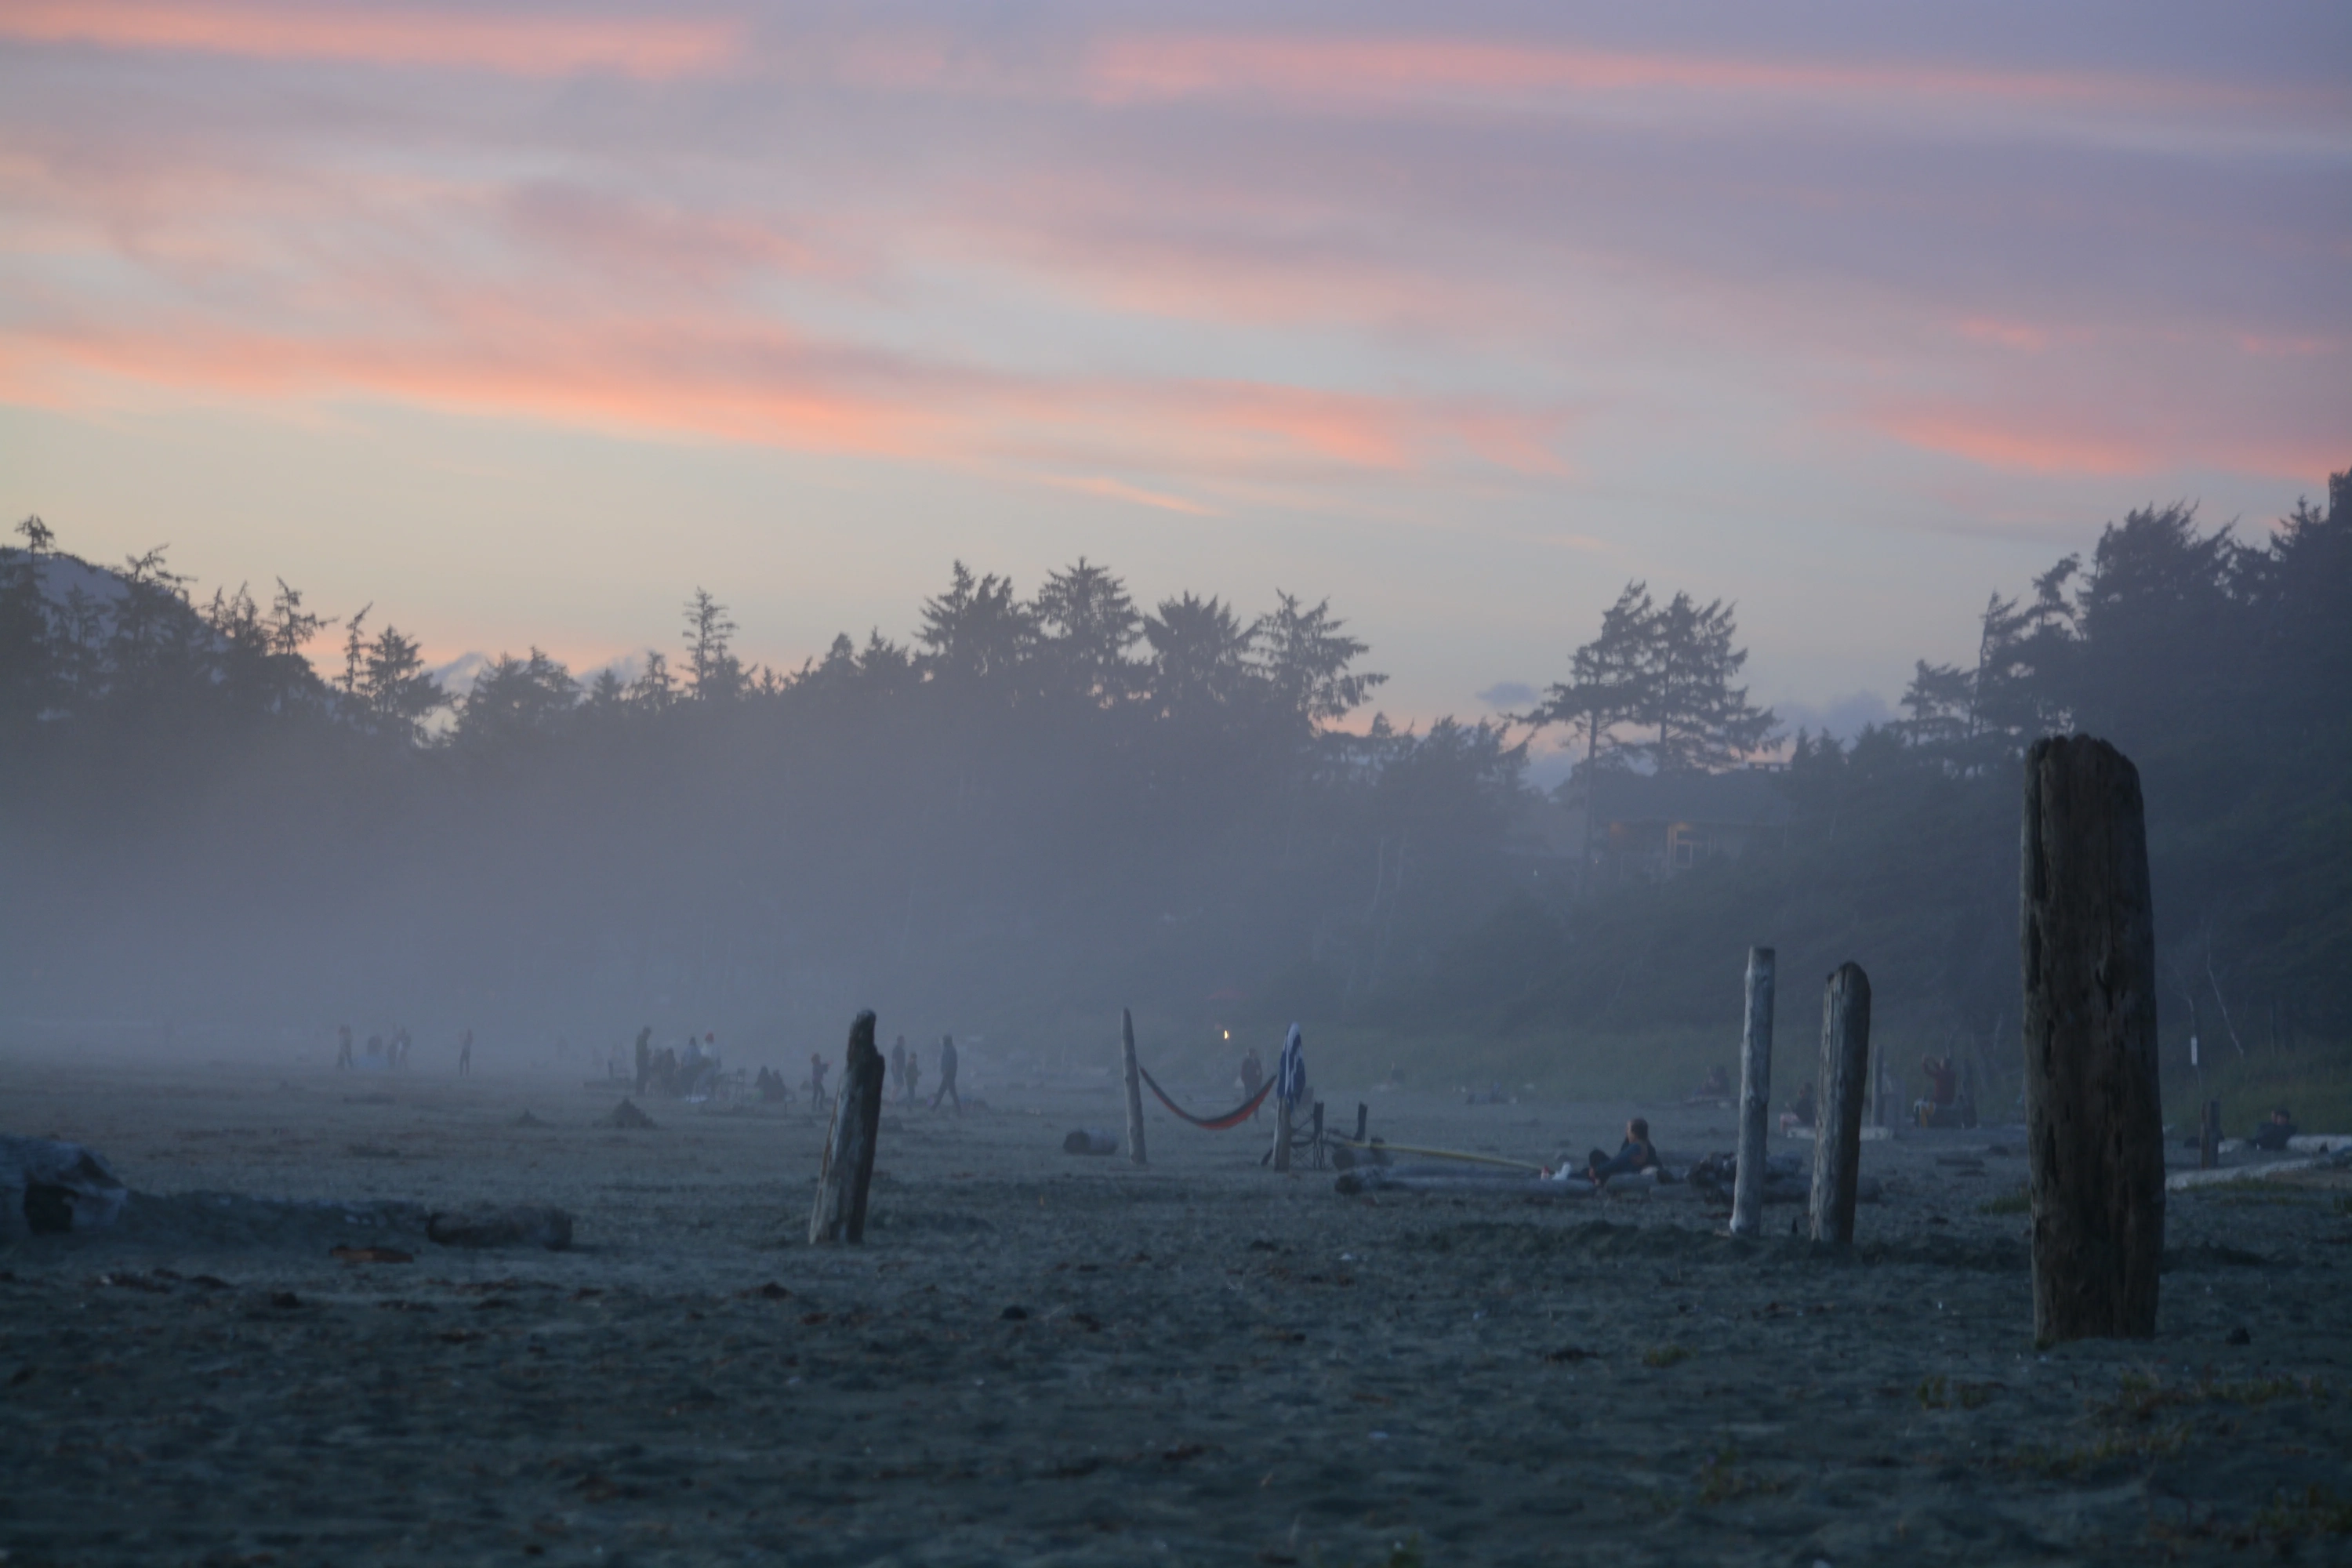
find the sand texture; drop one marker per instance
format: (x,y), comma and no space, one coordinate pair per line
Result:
(1045,1357)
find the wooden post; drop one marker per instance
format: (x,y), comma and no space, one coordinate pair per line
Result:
(1363,1119)
(1755,1096)
(2209,1136)
(1844,1082)
(1134,1087)
(848,1168)
(2094,1110)
(1281,1131)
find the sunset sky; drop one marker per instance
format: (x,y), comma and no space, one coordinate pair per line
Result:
(523,321)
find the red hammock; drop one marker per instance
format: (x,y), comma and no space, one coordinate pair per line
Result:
(1213,1123)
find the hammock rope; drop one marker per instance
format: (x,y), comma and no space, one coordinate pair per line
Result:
(1231,1118)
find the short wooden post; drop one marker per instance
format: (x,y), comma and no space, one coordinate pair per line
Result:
(2209,1136)
(1844,1082)
(2094,1110)
(1134,1087)
(1364,1120)
(1281,1131)
(848,1167)
(1755,1096)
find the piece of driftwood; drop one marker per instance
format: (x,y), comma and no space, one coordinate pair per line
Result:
(48,1188)
(521,1225)
(1755,1092)
(1376,1179)
(1134,1087)
(2094,1113)
(839,1214)
(1844,1083)
(1090,1141)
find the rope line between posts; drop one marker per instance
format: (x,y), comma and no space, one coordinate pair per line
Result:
(1231,1118)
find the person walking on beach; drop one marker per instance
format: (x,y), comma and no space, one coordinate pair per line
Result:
(897,1066)
(466,1053)
(1252,1077)
(914,1074)
(343,1045)
(644,1056)
(816,1080)
(947,1089)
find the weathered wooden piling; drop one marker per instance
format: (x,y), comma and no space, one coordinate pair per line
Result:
(1755,1096)
(2094,1112)
(1845,1084)
(2209,1136)
(1134,1087)
(848,1168)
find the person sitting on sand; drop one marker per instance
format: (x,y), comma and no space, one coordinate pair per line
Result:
(1802,1110)
(1636,1153)
(1716,1084)
(1941,1107)
(2273,1134)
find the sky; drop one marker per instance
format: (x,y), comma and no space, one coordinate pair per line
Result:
(521,321)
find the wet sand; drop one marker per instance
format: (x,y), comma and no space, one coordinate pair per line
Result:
(1038,1357)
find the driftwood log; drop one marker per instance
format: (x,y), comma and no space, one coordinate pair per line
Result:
(1844,1082)
(527,1225)
(1134,1087)
(1755,1094)
(2095,1119)
(848,1168)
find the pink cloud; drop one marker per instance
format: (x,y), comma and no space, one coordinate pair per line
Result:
(1151,68)
(461,37)
(2024,440)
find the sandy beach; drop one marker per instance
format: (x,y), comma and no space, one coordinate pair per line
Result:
(1039,1357)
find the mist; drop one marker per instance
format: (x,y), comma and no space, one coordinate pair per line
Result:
(1046,804)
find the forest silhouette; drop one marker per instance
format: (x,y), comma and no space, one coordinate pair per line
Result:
(1041,808)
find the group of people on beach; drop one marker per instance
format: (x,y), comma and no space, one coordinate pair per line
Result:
(692,1072)
(380,1054)
(907,1074)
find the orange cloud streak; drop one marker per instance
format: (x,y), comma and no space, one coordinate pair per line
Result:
(1147,68)
(2031,445)
(467,39)
(706,381)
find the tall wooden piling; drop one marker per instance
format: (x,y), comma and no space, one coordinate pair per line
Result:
(1134,1087)
(848,1168)
(1845,1084)
(1755,1096)
(2094,1113)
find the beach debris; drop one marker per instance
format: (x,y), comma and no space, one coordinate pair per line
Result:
(1755,1094)
(1090,1141)
(626,1115)
(1533,1189)
(49,1187)
(770,1291)
(524,1224)
(2094,1117)
(1845,1081)
(847,1170)
(370,1255)
(1132,1073)
(528,1119)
